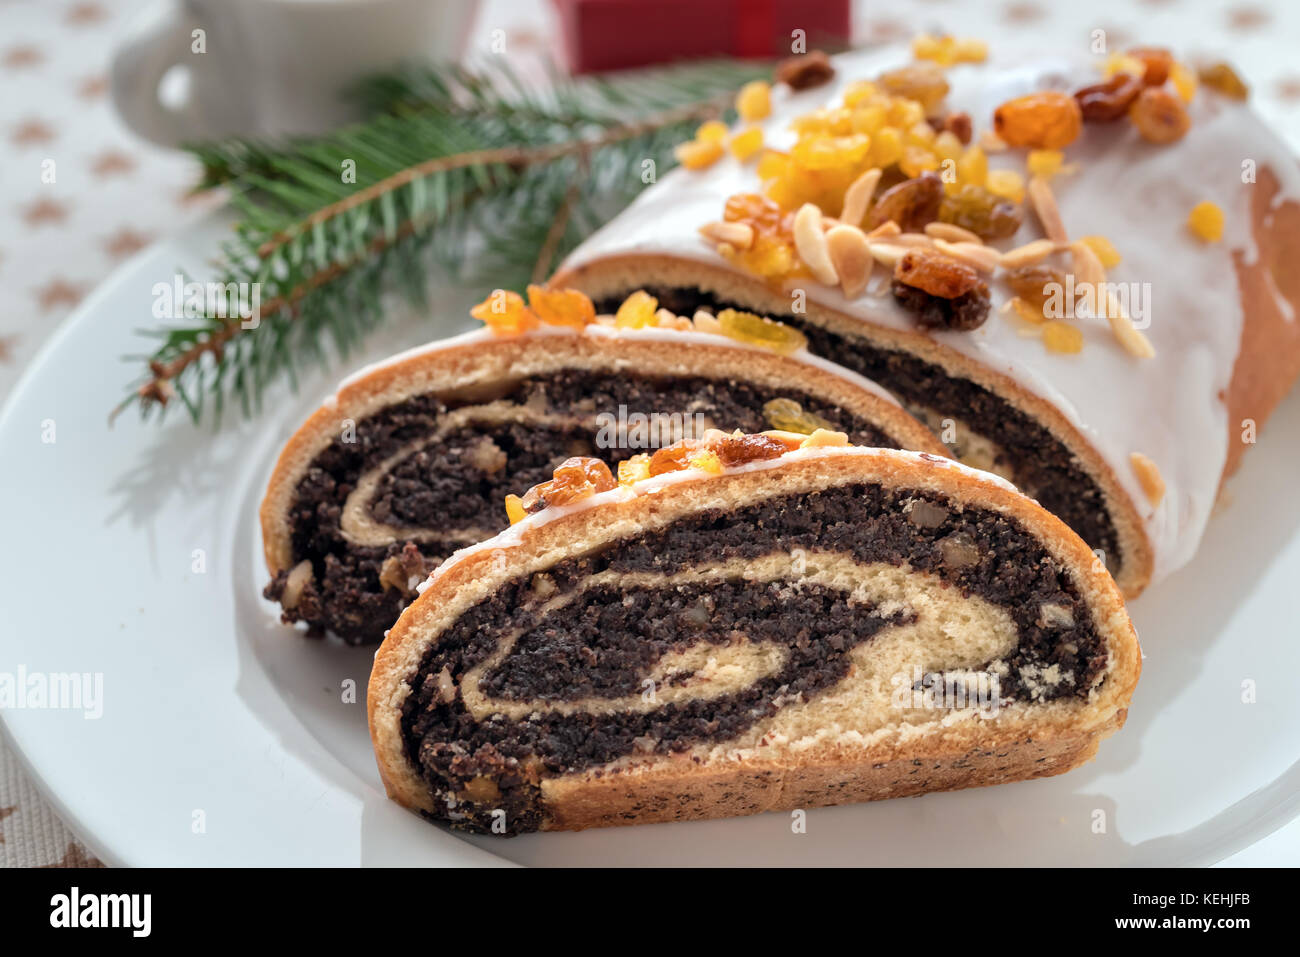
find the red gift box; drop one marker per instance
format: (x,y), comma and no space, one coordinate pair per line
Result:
(617,34)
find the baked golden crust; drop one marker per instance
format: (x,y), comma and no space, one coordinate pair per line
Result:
(612,275)
(488,360)
(1024,740)
(1268,362)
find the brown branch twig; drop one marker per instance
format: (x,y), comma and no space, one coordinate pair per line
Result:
(159,388)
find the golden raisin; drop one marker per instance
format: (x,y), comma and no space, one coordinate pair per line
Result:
(706,460)
(760,331)
(711,131)
(935,273)
(1109,100)
(1206,222)
(739,449)
(805,71)
(744,145)
(789,416)
(1027,312)
(1036,284)
(1156,63)
(1105,250)
(505,313)
(1159,116)
(1184,81)
(576,478)
(561,307)
(911,204)
(982,212)
(637,311)
(698,154)
(921,82)
(754,101)
(1007,183)
(759,212)
(1043,121)
(1062,337)
(1045,163)
(673,458)
(633,470)
(1224,79)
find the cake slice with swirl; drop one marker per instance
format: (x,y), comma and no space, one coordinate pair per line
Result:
(1055,259)
(744,623)
(411,459)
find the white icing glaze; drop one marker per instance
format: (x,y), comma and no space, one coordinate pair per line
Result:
(607,332)
(1137,195)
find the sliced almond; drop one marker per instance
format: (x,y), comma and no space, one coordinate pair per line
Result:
(1149,477)
(857,198)
(1128,335)
(911,239)
(736,235)
(851,256)
(810,242)
(977,255)
(953,234)
(990,142)
(1086,265)
(1043,200)
(885,230)
(824,438)
(1030,254)
(887,254)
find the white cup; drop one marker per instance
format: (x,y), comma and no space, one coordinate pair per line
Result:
(266,67)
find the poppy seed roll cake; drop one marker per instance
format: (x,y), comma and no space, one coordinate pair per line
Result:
(413,458)
(1075,268)
(750,623)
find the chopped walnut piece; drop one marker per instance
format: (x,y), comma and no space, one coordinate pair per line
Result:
(805,71)
(402,572)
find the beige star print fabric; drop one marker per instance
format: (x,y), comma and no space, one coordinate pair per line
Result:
(111,194)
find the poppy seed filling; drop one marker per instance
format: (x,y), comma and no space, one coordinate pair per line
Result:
(604,643)
(1040,465)
(453,487)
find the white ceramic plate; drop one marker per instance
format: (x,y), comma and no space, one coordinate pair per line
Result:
(225,737)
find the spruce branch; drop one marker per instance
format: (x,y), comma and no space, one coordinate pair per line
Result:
(472,174)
